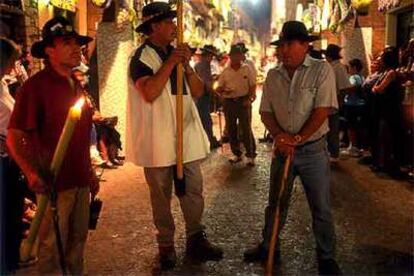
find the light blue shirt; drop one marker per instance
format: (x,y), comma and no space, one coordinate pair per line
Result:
(293,100)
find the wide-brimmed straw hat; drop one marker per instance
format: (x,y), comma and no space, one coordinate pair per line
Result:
(154,12)
(56,27)
(294,30)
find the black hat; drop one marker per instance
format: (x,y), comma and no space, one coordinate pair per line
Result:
(236,49)
(210,49)
(56,27)
(154,12)
(294,30)
(332,51)
(243,46)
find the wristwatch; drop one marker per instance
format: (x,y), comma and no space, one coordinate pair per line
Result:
(298,138)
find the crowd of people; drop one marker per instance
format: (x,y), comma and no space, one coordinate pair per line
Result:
(314,111)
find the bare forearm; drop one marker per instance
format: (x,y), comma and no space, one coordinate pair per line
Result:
(21,147)
(152,87)
(270,123)
(314,122)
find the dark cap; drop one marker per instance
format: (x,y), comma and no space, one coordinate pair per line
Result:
(154,12)
(294,30)
(243,46)
(56,27)
(209,49)
(332,51)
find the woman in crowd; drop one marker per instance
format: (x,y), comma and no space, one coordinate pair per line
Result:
(12,191)
(387,100)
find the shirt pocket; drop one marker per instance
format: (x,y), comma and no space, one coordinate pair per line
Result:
(306,99)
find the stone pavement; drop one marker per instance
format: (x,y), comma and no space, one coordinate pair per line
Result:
(373,219)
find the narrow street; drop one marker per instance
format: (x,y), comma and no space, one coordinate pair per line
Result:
(373,219)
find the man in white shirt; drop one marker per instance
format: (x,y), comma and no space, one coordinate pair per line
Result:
(237,85)
(332,54)
(151,139)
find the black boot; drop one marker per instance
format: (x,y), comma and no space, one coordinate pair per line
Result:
(328,267)
(259,254)
(198,247)
(167,257)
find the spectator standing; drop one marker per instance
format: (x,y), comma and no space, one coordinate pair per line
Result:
(151,139)
(332,54)
(297,97)
(37,121)
(204,70)
(11,190)
(237,86)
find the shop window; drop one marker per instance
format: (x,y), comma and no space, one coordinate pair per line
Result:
(405,28)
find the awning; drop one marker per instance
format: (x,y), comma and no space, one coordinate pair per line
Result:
(385,5)
(69,5)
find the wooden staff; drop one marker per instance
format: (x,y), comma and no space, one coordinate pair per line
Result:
(269,264)
(180,85)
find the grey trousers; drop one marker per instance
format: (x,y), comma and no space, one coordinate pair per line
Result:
(160,182)
(311,163)
(73,212)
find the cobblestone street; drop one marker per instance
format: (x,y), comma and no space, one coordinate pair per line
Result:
(373,219)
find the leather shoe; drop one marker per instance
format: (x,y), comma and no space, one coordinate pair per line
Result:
(259,254)
(199,248)
(328,267)
(167,257)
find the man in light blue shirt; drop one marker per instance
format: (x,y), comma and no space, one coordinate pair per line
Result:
(298,96)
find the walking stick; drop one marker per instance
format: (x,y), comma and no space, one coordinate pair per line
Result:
(179,177)
(273,241)
(220,128)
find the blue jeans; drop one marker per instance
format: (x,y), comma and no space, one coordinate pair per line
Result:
(311,163)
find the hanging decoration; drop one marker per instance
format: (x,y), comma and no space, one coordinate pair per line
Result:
(341,12)
(69,5)
(361,6)
(384,5)
(102,3)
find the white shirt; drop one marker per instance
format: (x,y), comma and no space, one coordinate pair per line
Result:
(6,107)
(151,136)
(237,81)
(341,76)
(292,101)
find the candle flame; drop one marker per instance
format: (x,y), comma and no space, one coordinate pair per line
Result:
(76,110)
(78,105)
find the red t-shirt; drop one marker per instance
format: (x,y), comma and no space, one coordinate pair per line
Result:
(42,105)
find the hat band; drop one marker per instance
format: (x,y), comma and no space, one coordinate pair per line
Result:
(147,18)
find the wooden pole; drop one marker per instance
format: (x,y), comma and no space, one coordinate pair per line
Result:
(180,84)
(275,230)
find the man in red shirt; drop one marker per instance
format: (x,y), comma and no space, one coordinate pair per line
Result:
(36,123)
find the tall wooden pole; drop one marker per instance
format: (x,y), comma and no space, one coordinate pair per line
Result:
(180,75)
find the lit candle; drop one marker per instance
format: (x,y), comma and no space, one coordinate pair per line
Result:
(72,118)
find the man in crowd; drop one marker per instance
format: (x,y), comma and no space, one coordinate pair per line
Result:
(332,55)
(237,86)
(151,139)
(203,69)
(36,123)
(298,96)
(11,190)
